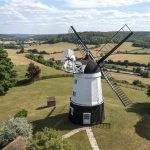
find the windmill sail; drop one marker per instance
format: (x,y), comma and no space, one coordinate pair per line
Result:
(119,37)
(84,50)
(122,96)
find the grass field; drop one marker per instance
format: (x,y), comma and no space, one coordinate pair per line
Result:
(30,97)
(125,47)
(139,51)
(131,58)
(59,47)
(126,133)
(129,78)
(77,138)
(21,63)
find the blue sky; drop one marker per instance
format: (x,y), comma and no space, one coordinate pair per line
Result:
(55,16)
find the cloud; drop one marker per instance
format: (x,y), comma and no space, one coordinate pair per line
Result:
(30,5)
(36,16)
(102,3)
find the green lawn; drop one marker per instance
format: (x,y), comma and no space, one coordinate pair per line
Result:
(120,136)
(81,141)
(45,71)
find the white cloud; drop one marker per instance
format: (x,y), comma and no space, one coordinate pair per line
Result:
(30,5)
(34,16)
(102,3)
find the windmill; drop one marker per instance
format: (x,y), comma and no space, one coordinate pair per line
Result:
(87,102)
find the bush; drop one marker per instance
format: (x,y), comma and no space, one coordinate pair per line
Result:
(137,82)
(49,139)
(13,128)
(21,114)
(33,72)
(148,91)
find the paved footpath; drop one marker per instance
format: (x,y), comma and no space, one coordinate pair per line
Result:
(69,134)
(92,139)
(90,135)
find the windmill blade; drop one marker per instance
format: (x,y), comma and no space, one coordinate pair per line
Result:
(121,95)
(119,37)
(84,50)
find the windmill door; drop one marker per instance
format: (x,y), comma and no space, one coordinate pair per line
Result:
(86,118)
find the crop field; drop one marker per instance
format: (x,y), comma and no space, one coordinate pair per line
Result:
(60,47)
(128,130)
(131,58)
(129,78)
(57,47)
(126,47)
(139,51)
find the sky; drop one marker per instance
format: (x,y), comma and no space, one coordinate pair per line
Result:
(55,16)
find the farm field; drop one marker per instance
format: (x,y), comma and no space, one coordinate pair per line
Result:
(126,47)
(59,47)
(139,51)
(131,58)
(129,78)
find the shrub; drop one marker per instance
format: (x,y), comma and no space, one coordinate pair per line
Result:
(13,128)
(137,82)
(21,114)
(49,139)
(148,91)
(33,72)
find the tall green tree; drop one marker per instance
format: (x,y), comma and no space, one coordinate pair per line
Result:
(7,73)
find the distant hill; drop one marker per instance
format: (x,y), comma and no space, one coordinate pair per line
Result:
(139,39)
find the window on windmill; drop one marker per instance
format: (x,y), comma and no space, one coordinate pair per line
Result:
(71,110)
(86,116)
(74,93)
(75,81)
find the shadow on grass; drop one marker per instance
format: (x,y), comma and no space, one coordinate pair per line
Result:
(142,127)
(26,82)
(58,122)
(23,82)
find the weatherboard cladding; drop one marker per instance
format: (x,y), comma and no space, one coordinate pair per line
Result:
(87,90)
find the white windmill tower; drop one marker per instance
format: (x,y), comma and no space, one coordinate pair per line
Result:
(86,102)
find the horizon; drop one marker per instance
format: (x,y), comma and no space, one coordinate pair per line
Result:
(54,17)
(31,34)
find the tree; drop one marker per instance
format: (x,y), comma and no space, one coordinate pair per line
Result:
(33,72)
(126,63)
(148,91)
(137,82)
(49,139)
(7,74)
(22,48)
(13,128)
(40,59)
